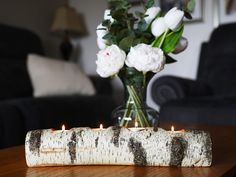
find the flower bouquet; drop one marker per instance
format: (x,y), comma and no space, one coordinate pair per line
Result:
(135,46)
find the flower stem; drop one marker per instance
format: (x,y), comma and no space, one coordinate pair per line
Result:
(163,38)
(138,106)
(127,112)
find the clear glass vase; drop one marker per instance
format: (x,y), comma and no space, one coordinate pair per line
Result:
(134,112)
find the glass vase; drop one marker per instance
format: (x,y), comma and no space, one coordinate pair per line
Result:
(134,112)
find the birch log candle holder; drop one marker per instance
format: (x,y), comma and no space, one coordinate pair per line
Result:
(118,146)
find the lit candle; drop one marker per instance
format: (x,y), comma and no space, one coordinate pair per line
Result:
(173,130)
(136,128)
(136,124)
(63,129)
(99,128)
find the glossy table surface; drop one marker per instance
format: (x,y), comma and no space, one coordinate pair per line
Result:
(12,162)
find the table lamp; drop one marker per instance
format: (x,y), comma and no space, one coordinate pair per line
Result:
(67,22)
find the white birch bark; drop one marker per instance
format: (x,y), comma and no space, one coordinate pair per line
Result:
(118,146)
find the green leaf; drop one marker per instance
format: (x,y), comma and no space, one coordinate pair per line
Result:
(139,14)
(137,41)
(170,60)
(149,3)
(119,4)
(126,43)
(130,76)
(106,23)
(110,38)
(157,41)
(140,40)
(172,40)
(124,33)
(119,14)
(142,26)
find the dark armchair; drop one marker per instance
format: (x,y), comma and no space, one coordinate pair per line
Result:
(211,98)
(21,112)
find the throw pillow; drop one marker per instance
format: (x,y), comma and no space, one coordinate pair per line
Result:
(52,77)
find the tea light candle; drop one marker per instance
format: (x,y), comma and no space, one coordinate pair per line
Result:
(136,128)
(63,129)
(172,129)
(99,128)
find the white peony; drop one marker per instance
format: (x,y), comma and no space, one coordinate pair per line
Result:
(107,15)
(158,27)
(110,61)
(146,58)
(174,18)
(151,13)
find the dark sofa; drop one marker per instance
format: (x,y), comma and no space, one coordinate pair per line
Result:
(21,112)
(211,98)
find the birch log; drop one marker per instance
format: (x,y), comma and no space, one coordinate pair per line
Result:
(118,146)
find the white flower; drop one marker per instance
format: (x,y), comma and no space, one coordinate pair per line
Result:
(151,14)
(174,18)
(102,44)
(110,61)
(107,15)
(146,58)
(101,31)
(158,27)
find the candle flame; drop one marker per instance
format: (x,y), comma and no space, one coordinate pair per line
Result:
(172,128)
(101,126)
(136,124)
(63,128)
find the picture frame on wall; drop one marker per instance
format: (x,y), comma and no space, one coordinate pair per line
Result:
(197,13)
(227,11)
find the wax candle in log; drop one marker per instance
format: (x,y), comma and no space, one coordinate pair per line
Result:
(63,129)
(176,131)
(136,127)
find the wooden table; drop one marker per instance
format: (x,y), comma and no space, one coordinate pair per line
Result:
(12,162)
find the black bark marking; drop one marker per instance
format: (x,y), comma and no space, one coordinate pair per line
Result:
(80,135)
(148,136)
(116,134)
(35,141)
(72,147)
(178,148)
(140,155)
(96,142)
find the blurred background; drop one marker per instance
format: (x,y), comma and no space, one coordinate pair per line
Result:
(38,17)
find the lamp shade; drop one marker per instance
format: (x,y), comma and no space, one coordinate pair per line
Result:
(67,19)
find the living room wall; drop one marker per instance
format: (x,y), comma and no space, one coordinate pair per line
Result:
(33,15)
